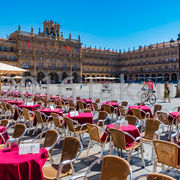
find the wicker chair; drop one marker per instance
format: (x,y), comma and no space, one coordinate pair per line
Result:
(5,111)
(102,117)
(154,176)
(167,154)
(70,154)
(119,141)
(58,122)
(95,108)
(71,108)
(87,111)
(123,111)
(19,131)
(151,132)
(163,117)
(28,118)
(124,103)
(11,110)
(97,101)
(133,120)
(95,134)
(40,120)
(59,107)
(157,107)
(75,128)
(4,122)
(82,105)
(110,110)
(141,115)
(113,167)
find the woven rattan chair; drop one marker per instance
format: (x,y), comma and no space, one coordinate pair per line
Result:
(110,110)
(102,118)
(124,103)
(167,154)
(5,111)
(133,120)
(95,134)
(141,115)
(4,122)
(75,128)
(157,107)
(18,133)
(119,141)
(59,123)
(95,108)
(113,167)
(154,176)
(71,147)
(41,121)
(87,111)
(59,107)
(71,108)
(82,106)
(163,117)
(28,118)
(11,110)
(97,101)
(123,111)
(151,133)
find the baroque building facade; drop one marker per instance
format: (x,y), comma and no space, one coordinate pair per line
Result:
(48,53)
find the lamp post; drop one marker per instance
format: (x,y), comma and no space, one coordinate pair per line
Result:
(178,85)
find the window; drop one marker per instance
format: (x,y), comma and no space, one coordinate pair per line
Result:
(3,57)
(2,48)
(174,59)
(12,58)
(166,60)
(12,49)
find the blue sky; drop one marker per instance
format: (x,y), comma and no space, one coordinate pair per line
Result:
(112,24)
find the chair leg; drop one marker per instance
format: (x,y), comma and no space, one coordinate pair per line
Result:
(155,165)
(162,167)
(102,149)
(35,129)
(129,156)
(142,156)
(88,148)
(152,155)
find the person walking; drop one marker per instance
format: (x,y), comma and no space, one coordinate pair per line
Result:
(166,92)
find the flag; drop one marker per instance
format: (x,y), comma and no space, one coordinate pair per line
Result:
(68,48)
(28,44)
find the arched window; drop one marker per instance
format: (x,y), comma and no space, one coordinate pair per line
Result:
(47,31)
(3,48)
(52,32)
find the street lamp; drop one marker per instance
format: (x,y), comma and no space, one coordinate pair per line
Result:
(177,87)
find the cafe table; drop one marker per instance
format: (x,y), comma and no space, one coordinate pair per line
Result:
(4,136)
(141,107)
(29,107)
(22,167)
(82,117)
(15,102)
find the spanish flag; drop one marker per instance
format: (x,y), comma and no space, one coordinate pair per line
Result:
(68,48)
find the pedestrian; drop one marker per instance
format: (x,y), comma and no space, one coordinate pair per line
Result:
(166,92)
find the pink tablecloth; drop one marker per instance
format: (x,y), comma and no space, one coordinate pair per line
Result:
(14,102)
(144,108)
(5,135)
(133,130)
(48,111)
(22,167)
(31,108)
(179,153)
(174,115)
(82,118)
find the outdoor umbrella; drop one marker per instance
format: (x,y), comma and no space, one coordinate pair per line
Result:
(8,69)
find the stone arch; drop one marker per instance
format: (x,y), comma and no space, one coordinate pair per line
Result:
(93,77)
(146,76)
(40,76)
(26,74)
(64,75)
(166,77)
(153,77)
(75,77)
(174,77)
(83,78)
(53,77)
(159,78)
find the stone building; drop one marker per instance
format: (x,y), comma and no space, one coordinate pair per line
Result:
(48,53)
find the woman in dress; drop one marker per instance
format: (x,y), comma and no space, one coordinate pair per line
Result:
(166,92)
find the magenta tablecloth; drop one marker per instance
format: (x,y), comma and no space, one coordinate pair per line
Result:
(48,111)
(133,130)
(144,108)
(174,115)
(5,135)
(22,167)
(31,108)
(82,118)
(14,102)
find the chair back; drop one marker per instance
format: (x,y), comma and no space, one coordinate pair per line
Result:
(94,132)
(38,116)
(178,108)
(163,117)
(59,107)
(131,119)
(70,124)
(153,176)
(71,103)
(4,122)
(59,102)
(107,108)
(58,122)
(167,153)
(115,101)
(152,125)
(10,108)
(4,106)
(124,103)
(87,111)
(70,150)
(50,137)
(19,130)
(102,115)
(97,101)
(157,107)
(80,104)
(114,167)
(95,107)
(71,108)
(118,138)
(26,114)
(137,113)
(122,111)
